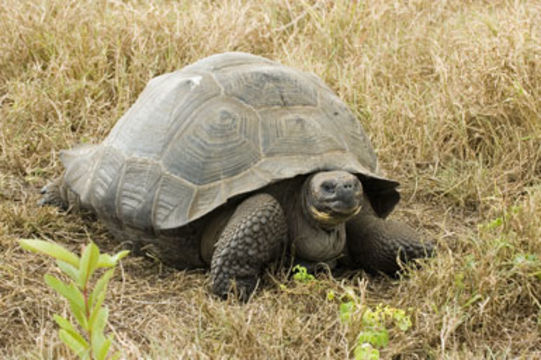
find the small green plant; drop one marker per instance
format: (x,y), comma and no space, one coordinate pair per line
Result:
(346,310)
(86,304)
(300,274)
(375,325)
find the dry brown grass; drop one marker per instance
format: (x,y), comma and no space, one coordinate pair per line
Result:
(449,91)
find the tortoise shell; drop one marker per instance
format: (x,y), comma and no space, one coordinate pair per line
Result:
(226,125)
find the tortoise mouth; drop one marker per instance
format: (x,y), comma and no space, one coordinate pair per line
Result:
(338,208)
(333,216)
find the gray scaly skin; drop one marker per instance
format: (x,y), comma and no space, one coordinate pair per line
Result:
(252,238)
(320,218)
(389,241)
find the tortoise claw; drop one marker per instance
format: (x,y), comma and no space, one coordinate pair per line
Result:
(51,196)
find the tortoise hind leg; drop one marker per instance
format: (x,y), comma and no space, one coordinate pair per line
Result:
(78,163)
(375,244)
(55,194)
(253,237)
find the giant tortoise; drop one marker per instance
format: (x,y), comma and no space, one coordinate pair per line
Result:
(230,163)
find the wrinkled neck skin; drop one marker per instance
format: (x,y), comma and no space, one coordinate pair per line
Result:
(315,240)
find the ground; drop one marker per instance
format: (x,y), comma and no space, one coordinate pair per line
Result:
(449,93)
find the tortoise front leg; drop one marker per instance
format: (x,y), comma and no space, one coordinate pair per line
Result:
(252,238)
(375,244)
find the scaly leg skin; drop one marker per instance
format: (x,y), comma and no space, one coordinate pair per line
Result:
(251,239)
(57,193)
(375,244)
(54,194)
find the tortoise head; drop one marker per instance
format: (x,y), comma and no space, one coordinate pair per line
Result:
(332,197)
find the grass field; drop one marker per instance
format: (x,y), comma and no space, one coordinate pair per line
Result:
(448,91)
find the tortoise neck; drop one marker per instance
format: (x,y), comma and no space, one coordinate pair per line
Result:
(311,239)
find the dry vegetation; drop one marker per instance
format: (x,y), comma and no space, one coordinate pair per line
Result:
(449,91)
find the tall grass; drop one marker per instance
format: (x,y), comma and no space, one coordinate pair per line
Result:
(448,91)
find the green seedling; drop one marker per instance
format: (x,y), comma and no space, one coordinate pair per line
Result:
(375,326)
(84,336)
(300,274)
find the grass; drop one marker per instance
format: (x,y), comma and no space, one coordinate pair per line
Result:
(449,92)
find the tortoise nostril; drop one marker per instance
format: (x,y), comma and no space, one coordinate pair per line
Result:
(347,186)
